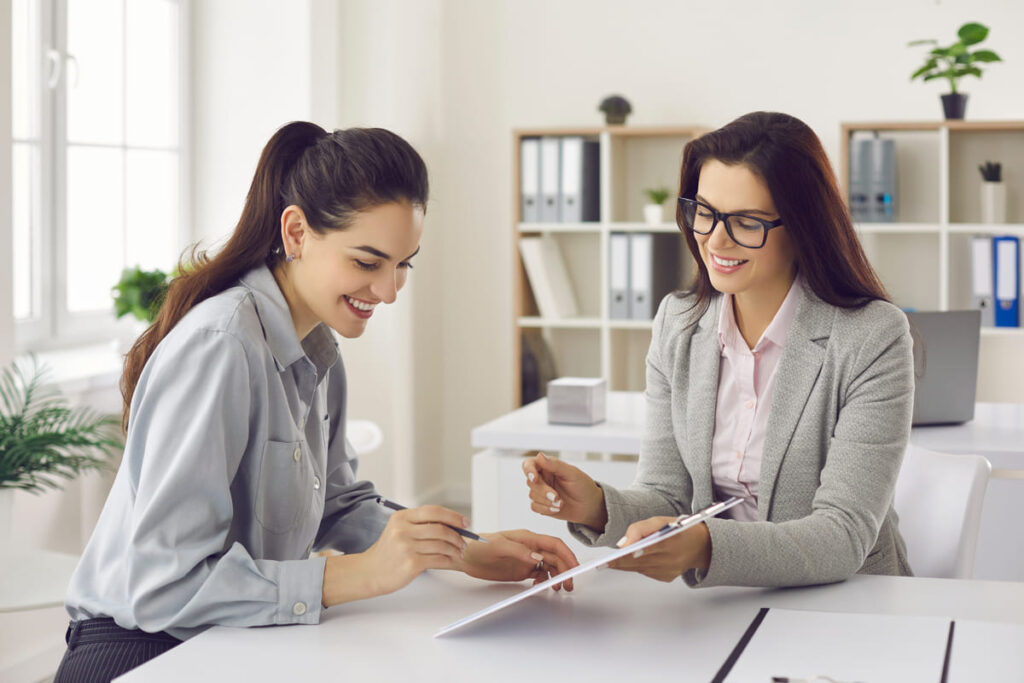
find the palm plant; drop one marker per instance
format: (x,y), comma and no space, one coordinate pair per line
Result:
(43,438)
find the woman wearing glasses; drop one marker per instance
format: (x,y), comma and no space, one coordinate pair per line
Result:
(782,376)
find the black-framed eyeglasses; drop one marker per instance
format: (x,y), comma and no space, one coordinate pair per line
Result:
(743,229)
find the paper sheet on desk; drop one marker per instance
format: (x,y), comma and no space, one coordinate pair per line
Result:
(804,644)
(681,524)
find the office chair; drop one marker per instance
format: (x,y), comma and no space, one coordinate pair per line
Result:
(364,435)
(938,499)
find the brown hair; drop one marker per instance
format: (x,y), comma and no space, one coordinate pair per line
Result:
(330,176)
(789,158)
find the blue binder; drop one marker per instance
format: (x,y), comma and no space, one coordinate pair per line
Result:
(1006,262)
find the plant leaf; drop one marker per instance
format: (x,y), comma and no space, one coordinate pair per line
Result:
(985,56)
(972,33)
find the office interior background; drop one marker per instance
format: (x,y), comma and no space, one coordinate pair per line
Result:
(455,78)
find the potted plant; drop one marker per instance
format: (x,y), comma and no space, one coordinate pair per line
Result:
(43,439)
(139,293)
(953,63)
(993,193)
(616,108)
(656,197)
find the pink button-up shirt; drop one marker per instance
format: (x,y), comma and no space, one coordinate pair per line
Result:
(746,382)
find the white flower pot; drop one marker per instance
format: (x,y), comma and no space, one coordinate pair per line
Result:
(6,513)
(993,202)
(653,214)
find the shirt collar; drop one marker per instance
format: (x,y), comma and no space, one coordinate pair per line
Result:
(279,330)
(778,328)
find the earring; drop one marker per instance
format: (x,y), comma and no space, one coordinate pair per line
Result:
(290,258)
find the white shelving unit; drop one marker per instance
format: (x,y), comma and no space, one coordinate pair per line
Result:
(594,344)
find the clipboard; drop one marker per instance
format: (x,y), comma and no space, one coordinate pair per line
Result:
(679,524)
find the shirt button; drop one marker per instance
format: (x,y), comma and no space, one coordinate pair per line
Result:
(316,483)
(297,455)
(299,608)
(302,422)
(750,404)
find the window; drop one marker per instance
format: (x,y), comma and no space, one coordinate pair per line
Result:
(97,154)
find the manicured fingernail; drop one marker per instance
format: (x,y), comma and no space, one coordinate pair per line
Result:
(530,477)
(537,556)
(541,455)
(465,522)
(638,553)
(554,509)
(622,542)
(551,495)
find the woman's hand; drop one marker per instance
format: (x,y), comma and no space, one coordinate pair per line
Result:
(668,559)
(518,555)
(557,489)
(413,540)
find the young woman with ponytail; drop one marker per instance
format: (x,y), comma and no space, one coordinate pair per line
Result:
(235,466)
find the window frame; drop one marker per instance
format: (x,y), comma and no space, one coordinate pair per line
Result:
(56,326)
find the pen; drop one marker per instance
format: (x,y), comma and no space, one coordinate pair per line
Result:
(461,532)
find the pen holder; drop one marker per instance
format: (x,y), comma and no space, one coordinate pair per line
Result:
(577,400)
(993,202)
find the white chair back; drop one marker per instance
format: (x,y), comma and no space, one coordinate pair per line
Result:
(364,435)
(938,499)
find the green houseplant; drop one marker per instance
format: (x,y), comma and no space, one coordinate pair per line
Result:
(953,63)
(43,438)
(140,293)
(656,197)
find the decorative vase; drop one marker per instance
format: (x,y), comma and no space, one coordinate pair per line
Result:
(954,105)
(993,202)
(653,214)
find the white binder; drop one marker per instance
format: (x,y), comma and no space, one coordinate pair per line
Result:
(529,180)
(640,264)
(550,179)
(982,279)
(581,178)
(618,276)
(549,279)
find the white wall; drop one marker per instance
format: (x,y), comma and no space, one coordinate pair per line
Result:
(6,217)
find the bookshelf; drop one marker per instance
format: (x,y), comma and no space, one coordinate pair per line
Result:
(592,343)
(938,207)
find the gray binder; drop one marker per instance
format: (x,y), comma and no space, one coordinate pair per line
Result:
(581,176)
(550,179)
(982,279)
(618,276)
(529,180)
(653,271)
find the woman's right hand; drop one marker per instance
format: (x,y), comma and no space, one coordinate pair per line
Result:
(560,490)
(413,540)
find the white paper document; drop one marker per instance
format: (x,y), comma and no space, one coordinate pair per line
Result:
(680,524)
(809,645)
(986,651)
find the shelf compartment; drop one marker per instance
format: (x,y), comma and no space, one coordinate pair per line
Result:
(970,148)
(641,162)
(628,349)
(917,285)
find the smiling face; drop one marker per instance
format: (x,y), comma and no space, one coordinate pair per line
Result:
(339,278)
(749,274)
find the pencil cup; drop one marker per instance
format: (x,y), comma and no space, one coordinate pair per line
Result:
(993,202)
(577,400)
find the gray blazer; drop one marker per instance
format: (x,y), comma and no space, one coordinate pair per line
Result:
(839,423)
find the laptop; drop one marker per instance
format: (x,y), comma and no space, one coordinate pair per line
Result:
(945,365)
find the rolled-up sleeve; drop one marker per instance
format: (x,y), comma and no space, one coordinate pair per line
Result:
(192,420)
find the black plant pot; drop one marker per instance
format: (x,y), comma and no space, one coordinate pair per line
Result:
(954,105)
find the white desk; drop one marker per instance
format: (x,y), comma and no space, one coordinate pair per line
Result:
(499,494)
(614,627)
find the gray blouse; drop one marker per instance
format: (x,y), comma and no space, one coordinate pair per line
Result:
(235,468)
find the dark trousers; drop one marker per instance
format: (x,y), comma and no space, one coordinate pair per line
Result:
(100,650)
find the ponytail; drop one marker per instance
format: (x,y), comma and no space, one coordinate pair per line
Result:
(331,177)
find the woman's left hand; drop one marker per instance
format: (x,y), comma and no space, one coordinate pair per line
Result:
(668,559)
(518,555)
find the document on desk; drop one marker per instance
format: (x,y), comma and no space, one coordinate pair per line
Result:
(798,645)
(678,525)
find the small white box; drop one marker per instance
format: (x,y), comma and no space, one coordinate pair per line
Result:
(577,400)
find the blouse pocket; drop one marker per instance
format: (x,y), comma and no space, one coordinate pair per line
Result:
(284,492)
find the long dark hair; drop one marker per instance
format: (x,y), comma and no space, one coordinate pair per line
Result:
(330,176)
(789,159)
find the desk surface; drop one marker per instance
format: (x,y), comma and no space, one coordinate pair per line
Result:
(997,431)
(614,627)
